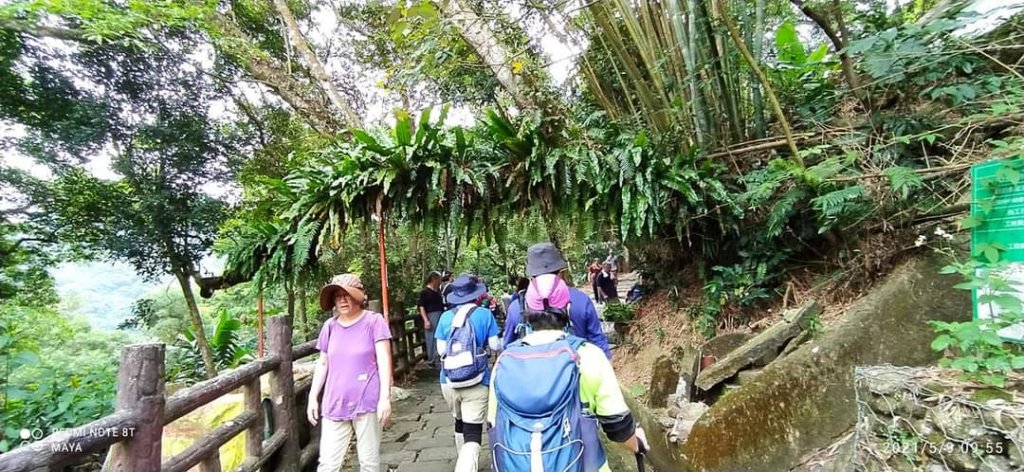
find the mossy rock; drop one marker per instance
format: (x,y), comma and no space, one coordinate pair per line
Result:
(723,344)
(984,395)
(664,378)
(807,398)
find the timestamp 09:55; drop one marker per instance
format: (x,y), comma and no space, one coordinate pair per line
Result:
(944,447)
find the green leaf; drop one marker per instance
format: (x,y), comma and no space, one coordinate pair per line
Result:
(1017,362)
(965,364)
(818,55)
(787,43)
(994,380)
(942,342)
(26,359)
(369,141)
(903,180)
(972,221)
(991,254)
(991,338)
(403,128)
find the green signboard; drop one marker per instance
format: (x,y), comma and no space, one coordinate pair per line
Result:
(997,206)
(998,194)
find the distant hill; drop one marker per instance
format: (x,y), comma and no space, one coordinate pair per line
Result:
(103,292)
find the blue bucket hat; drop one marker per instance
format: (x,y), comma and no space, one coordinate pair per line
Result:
(466,288)
(543,258)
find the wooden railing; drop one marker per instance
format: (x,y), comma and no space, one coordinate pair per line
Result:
(406,339)
(134,431)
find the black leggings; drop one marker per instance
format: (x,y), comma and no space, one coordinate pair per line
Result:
(471,432)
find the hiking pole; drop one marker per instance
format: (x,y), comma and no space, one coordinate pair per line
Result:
(640,456)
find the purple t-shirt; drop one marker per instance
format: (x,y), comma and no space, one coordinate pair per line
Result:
(353,383)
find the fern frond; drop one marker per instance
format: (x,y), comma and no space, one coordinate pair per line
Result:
(823,170)
(782,210)
(832,203)
(903,180)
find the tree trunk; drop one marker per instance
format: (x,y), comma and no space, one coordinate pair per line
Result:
(474,30)
(531,81)
(316,69)
(302,306)
(838,42)
(197,323)
(289,289)
(716,49)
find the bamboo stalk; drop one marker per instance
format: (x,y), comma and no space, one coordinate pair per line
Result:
(715,48)
(761,128)
(604,19)
(772,99)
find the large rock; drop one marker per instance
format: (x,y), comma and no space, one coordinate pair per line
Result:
(688,415)
(664,379)
(766,343)
(721,345)
(802,401)
(663,456)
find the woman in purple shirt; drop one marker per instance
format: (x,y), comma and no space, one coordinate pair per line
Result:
(354,373)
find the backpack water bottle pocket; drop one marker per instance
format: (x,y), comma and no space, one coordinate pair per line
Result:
(458,360)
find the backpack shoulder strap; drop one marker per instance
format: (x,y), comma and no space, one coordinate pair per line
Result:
(575,342)
(462,314)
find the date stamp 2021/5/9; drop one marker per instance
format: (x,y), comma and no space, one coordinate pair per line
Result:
(944,447)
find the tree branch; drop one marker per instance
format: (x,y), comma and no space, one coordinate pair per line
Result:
(17,243)
(316,69)
(838,42)
(270,72)
(41,31)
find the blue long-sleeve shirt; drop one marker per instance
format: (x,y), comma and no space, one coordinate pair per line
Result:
(582,315)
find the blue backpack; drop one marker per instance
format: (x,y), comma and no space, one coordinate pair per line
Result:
(540,425)
(464,361)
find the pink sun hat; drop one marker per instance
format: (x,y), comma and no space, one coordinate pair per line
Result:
(550,287)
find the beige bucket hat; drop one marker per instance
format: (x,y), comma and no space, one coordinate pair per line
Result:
(349,283)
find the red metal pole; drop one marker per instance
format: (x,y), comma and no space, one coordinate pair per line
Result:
(384,282)
(383,266)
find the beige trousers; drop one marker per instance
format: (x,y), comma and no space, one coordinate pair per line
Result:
(335,437)
(469,405)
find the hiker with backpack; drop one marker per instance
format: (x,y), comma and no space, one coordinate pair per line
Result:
(354,372)
(464,333)
(551,391)
(541,259)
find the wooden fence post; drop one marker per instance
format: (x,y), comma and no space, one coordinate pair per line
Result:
(140,391)
(254,435)
(282,392)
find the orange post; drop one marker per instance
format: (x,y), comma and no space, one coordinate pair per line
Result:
(384,281)
(383,258)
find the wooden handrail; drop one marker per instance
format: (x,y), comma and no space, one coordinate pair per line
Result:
(305,349)
(270,446)
(210,443)
(92,437)
(191,398)
(143,410)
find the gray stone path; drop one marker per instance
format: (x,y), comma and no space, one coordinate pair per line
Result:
(421,436)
